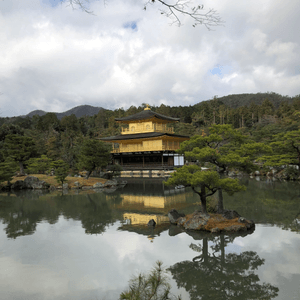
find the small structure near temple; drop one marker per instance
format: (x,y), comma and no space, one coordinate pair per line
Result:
(147,141)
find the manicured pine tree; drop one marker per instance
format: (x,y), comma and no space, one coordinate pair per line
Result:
(204,183)
(223,148)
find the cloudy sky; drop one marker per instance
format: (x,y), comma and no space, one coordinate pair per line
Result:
(54,58)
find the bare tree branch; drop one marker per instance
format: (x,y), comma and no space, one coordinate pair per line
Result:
(173,9)
(81,4)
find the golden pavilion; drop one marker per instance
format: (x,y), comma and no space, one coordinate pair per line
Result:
(147,141)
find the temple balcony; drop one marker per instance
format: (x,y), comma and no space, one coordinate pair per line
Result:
(141,148)
(142,128)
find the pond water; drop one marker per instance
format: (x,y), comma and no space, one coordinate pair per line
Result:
(88,245)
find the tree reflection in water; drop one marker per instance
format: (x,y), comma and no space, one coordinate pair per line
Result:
(217,275)
(22,214)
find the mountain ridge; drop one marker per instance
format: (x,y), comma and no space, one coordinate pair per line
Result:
(78,111)
(232,101)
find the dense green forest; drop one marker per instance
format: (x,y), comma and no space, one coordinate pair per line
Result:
(269,118)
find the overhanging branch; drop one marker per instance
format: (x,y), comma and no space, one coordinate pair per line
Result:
(81,4)
(177,8)
(173,9)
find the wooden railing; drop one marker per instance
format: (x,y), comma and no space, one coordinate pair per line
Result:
(140,148)
(145,128)
(146,166)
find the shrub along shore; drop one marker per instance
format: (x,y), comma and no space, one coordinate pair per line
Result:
(41,181)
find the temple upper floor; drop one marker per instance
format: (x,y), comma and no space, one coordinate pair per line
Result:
(143,127)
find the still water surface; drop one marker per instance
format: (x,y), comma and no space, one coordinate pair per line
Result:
(88,245)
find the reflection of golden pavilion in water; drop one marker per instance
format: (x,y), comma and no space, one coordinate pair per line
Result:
(159,205)
(145,199)
(139,219)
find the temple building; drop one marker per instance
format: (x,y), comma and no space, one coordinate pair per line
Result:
(147,141)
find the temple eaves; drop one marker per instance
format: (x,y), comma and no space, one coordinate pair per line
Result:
(146,114)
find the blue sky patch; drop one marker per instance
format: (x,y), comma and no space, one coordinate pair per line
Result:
(52,3)
(132,25)
(220,70)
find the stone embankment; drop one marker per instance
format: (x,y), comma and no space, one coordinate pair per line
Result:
(290,173)
(229,221)
(32,182)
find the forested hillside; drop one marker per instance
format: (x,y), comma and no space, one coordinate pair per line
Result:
(238,100)
(263,117)
(78,111)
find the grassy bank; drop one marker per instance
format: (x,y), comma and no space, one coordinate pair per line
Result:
(69,180)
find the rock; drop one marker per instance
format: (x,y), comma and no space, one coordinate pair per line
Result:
(122,183)
(40,185)
(98,185)
(77,184)
(215,230)
(181,221)
(249,223)
(230,214)
(197,221)
(65,186)
(235,228)
(110,183)
(110,190)
(213,223)
(29,181)
(18,185)
(256,173)
(151,223)
(231,174)
(52,188)
(173,215)
(87,187)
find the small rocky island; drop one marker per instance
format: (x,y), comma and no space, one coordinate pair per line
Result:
(229,221)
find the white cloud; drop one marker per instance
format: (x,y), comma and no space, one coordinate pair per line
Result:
(54,58)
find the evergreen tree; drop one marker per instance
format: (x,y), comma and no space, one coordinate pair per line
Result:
(61,170)
(39,165)
(223,148)
(286,150)
(20,148)
(203,183)
(149,286)
(94,154)
(7,169)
